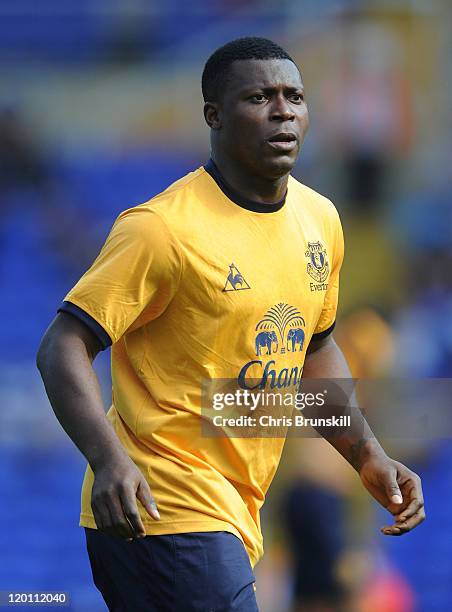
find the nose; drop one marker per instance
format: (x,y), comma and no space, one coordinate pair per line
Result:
(281,109)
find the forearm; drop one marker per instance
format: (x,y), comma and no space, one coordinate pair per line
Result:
(74,393)
(356,442)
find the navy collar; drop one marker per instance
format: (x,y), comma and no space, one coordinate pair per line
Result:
(236,197)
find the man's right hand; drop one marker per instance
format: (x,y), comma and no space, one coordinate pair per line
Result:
(117,485)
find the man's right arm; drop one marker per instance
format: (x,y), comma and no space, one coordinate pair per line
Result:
(64,360)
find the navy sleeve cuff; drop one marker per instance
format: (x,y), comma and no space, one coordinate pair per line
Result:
(325,333)
(88,320)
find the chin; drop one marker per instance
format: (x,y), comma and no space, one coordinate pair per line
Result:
(277,167)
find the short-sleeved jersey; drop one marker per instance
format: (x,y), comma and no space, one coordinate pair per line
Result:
(200,284)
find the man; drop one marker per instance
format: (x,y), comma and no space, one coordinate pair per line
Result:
(230,273)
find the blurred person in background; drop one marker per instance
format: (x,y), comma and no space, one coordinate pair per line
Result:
(317,499)
(315,517)
(36,196)
(370,115)
(21,162)
(164,293)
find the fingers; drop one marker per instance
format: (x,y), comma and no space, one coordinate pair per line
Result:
(413,514)
(145,496)
(120,525)
(413,508)
(392,488)
(399,529)
(114,496)
(390,530)
(130,509)
(414,521)
(109,515)
(116,511)
(412,488)
(101,515)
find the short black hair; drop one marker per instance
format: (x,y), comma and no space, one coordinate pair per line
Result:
(251,47)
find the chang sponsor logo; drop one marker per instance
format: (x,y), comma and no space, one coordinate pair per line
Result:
(280,331)
(270,376)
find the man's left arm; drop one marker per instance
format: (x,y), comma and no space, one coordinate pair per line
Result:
(391,483)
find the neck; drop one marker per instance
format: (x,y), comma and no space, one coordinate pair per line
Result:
(250,186)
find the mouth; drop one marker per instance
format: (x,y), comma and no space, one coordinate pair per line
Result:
(283,141)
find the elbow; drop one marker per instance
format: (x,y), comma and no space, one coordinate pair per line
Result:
(64,340)
(41,355)
(45,351)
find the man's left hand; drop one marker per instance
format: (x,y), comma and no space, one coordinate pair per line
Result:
(397,489)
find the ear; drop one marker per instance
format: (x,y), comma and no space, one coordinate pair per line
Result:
(212,115)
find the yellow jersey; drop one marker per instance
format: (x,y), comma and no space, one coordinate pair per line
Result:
(200,284)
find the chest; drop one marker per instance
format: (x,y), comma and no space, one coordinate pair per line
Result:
(263,279)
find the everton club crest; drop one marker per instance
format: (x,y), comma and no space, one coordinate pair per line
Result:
(317,267)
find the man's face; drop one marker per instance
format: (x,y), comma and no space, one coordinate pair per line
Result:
(262,116)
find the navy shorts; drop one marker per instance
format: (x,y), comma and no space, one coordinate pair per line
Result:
(187,572)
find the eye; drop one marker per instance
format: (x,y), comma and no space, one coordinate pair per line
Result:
(258,98)
(297,98)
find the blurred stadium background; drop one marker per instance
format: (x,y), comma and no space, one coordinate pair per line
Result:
(100,108)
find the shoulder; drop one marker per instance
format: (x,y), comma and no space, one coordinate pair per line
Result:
(315,202)
(319,216)
(158,213)
(190,187)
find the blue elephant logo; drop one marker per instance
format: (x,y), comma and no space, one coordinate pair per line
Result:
(277,320)
(296,337)
(266,339)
